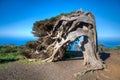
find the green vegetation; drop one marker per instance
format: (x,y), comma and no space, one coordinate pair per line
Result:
(112,49)
(31,62)
(10,57)
(11,53)
(5,49)
(104,49)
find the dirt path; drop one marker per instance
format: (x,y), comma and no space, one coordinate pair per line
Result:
(62,70)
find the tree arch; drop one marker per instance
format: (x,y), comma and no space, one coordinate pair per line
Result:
(58,32)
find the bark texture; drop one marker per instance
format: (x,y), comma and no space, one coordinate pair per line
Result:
(60,32)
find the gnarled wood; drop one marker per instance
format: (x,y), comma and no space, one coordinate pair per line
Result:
(67,29)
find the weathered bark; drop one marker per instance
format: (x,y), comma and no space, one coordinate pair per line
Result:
(66,30)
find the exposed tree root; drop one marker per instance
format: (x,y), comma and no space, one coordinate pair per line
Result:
(50,59)
(88,69)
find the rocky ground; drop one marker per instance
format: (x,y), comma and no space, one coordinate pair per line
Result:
(62,70)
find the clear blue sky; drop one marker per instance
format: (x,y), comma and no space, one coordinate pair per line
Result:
(17,16)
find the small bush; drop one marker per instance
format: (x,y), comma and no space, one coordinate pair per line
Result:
(117,48)
(10,57)
(102,48)
(11,53)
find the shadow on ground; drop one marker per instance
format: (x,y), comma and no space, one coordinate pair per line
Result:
(104,56)
(78,55)
(73,55)
(2,61)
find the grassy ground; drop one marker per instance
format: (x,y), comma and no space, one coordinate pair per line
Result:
(10,57)
(10,53)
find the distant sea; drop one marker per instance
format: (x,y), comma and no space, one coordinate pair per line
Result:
(21,41)
(16,41)
(111,43)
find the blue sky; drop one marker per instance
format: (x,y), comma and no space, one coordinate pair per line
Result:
(17,16)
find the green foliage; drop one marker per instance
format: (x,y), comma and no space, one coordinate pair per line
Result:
(29,48)
(117,48)
(31,62)
(43,27)
(112,49)
(108,49)
(10,57)
(101,48)
(5,49)
(31,45)
(11,53)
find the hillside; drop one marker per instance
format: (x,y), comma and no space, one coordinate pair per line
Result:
(62,70)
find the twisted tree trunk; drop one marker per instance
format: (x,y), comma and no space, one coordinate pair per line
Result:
(66,30)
